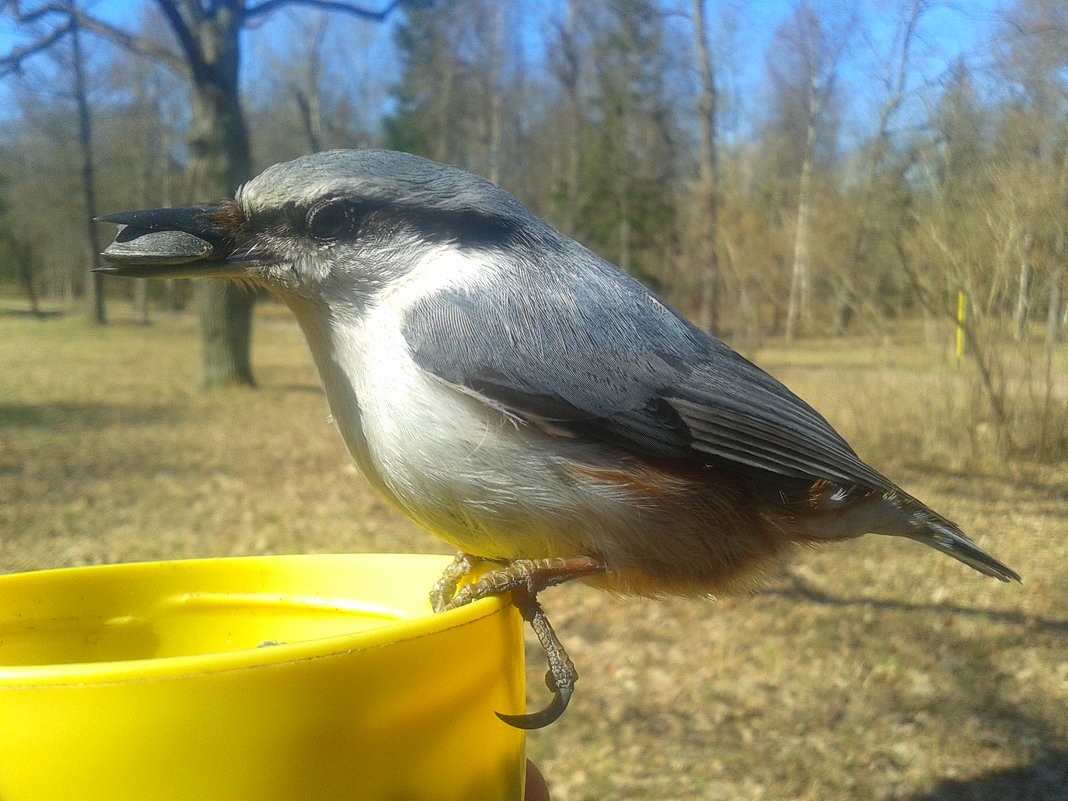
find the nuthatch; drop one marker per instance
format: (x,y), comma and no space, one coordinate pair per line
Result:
(525,400)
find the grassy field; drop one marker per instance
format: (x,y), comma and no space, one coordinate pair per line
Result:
(876,669)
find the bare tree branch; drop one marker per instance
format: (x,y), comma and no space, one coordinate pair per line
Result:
(34,15)
(134,44)
(267,6)
(12,62)
(194,55)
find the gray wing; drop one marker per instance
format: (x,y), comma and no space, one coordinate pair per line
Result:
(602,357)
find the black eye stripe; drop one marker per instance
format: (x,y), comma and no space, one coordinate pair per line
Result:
(346,219)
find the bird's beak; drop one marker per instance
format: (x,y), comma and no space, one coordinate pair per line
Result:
(172,243)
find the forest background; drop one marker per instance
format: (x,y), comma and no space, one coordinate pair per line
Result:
(774,169)
(870,199)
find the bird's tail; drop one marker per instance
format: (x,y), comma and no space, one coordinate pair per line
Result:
(835,513)
(944,535)
(927,526)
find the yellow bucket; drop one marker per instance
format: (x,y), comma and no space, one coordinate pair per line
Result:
(256,679)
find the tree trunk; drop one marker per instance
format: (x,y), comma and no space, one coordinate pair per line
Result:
(310,116)
(845,310)
(221,161)
(94,287)
(566,67)
(707,177)
(225,307)
(493,94)
(442,142)
(1053,329)
(23,256)
(307,86)
(797,308)
(141,300)
(1054,325)
(1020,315)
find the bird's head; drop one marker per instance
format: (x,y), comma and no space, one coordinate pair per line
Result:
(337,224)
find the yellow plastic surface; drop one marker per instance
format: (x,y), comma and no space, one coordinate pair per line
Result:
(148,682)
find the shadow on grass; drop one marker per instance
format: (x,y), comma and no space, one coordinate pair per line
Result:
(1036,731)
(1045,779)
(313,389)
(66,415)
(40,314)
(799,589)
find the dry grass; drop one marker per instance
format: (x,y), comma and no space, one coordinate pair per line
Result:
(873,670)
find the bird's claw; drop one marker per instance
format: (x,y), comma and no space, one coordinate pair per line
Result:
(539,720)
(561,676)
(524,579)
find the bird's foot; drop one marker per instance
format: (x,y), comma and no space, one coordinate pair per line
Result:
(444,589)
(524,578)
(529,575)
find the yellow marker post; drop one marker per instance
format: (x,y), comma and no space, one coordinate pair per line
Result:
(962,319)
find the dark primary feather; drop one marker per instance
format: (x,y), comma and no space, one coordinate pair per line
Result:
(593,352)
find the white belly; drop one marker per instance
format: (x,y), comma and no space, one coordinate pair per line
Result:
(468,472)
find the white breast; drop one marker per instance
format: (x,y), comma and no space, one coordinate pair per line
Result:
(455,464)
(412,424)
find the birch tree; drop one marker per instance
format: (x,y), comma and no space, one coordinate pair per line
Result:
(805,55)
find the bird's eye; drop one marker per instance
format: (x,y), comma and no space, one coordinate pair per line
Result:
(328,220)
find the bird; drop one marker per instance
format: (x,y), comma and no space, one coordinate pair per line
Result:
(513,393)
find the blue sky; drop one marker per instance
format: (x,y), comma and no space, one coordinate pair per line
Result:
(949,30)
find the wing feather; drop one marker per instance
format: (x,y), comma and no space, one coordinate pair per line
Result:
(602,357)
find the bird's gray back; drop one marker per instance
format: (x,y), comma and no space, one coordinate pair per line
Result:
(565,338)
